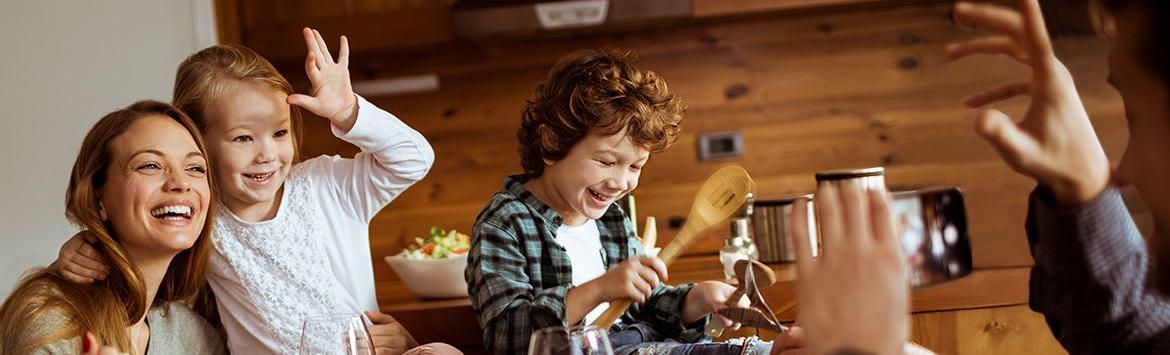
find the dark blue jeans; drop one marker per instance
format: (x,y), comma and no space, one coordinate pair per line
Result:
(634,338)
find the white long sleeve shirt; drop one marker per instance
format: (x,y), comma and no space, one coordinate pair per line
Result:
(313,258)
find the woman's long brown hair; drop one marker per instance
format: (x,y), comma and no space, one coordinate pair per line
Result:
(107,307)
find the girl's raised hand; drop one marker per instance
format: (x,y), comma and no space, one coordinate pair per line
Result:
(332,95)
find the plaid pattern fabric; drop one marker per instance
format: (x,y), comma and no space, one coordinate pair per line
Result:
(517,274)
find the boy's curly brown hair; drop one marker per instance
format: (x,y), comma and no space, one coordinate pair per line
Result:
(596,91)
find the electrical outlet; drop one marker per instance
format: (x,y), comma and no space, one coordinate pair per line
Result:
(720,145)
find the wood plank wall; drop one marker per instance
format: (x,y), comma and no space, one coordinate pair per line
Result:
(808,93)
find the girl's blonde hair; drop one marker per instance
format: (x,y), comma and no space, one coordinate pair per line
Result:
(201,78)
(107,307)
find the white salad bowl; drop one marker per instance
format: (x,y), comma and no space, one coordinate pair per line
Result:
(432,278)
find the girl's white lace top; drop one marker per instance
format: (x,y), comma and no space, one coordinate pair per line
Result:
(313,258)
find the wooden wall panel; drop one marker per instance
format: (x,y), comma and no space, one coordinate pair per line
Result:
(809,93)
(715,8)
(271,28)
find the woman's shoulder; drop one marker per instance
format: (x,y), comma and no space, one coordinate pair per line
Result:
(176,328)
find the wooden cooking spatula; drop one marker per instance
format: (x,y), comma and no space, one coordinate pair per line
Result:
(718,199)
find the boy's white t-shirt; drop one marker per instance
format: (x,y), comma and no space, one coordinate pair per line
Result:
(313,258)
(583,245)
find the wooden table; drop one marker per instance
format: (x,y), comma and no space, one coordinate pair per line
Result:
(453,321)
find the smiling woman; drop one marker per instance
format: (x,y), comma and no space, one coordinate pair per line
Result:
(139,186)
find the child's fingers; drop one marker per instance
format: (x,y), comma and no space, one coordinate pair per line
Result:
(308,102)
(88,237)
(381,318)
(649,277)
(74,278)
(393,344)
(640,290)
(93,266)
(73,243)
(311,43)
(387,329)
(75,268)
(743,302)
(343,56)
(656,264)
(727,323)
(90,252)
(325,55)
(311,68)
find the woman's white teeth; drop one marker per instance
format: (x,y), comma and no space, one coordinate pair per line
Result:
(174,210)
(599,196)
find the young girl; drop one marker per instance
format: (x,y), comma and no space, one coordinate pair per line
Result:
(291,239)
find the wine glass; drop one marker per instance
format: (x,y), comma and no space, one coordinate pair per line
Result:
(587,340)
(330,334)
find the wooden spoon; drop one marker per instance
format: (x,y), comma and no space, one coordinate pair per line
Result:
(718,199)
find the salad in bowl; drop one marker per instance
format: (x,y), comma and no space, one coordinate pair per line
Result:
(432,267)
(440,244)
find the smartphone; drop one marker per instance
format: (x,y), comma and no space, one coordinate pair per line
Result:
(933,234)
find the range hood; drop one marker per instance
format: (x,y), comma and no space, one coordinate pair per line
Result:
(486,18)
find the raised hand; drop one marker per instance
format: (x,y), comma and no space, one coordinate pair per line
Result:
(855,296)
(332,95)
(1054,141)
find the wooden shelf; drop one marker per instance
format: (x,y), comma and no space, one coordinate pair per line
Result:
(453,320)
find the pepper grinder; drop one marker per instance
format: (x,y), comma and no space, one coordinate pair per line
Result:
(739,244)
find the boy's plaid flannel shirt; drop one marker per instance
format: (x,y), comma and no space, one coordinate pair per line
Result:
(518,276)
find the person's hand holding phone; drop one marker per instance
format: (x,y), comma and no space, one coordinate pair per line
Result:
(855,295)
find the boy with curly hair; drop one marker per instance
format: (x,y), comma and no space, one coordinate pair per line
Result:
(552,248)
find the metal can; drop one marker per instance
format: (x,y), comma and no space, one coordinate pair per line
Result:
(771,222)
(869,178)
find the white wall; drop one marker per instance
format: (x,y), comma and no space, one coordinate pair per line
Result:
(64,64)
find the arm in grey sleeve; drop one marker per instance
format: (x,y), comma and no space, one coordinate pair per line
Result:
(1089,279)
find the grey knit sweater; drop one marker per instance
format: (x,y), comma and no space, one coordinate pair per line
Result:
(174,329)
